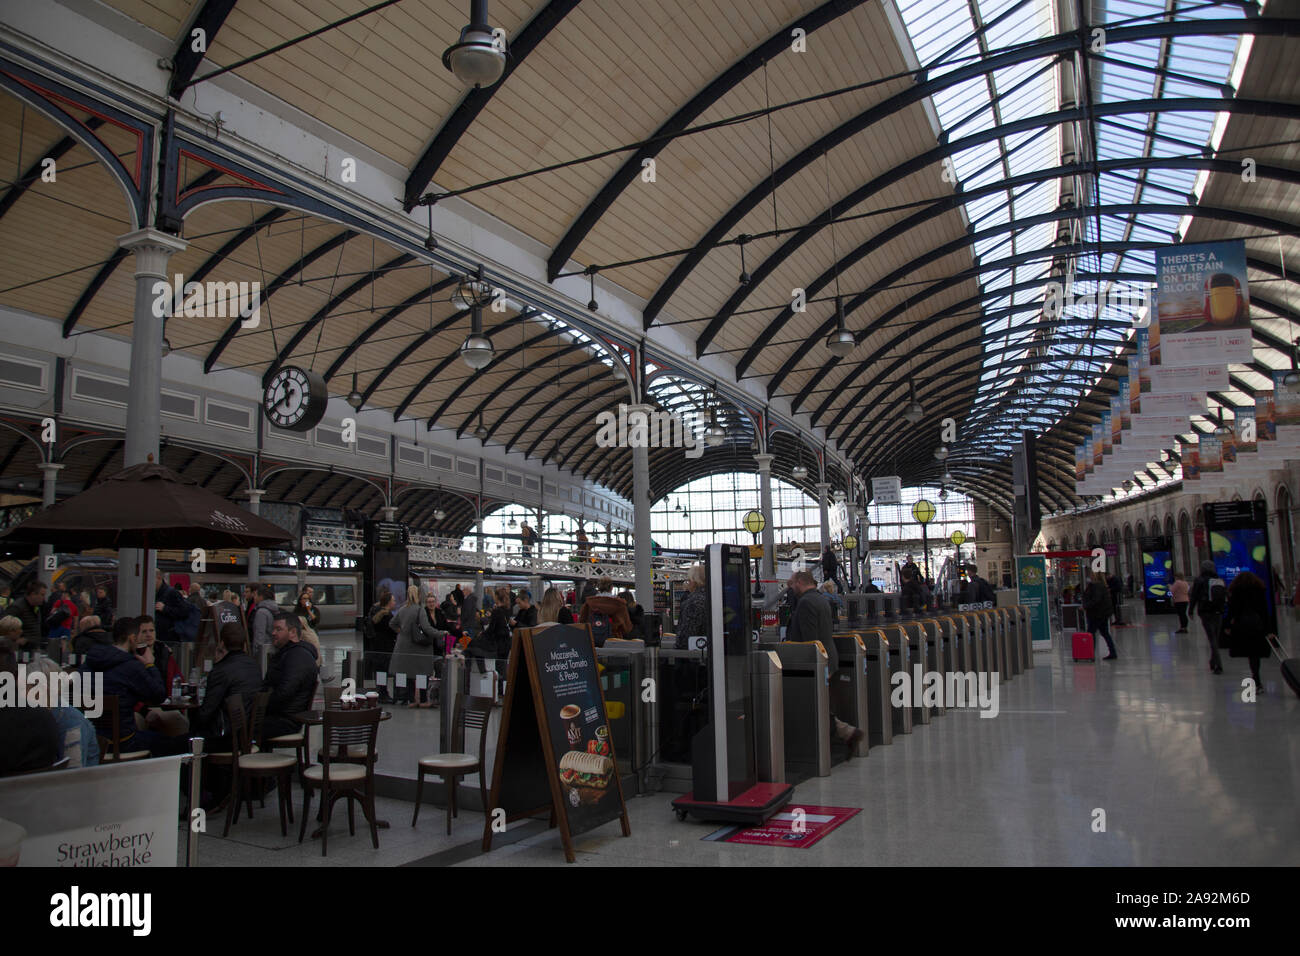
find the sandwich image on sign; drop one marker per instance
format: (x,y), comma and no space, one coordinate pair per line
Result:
(586,775)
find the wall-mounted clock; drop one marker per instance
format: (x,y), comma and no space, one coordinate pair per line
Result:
(295,399)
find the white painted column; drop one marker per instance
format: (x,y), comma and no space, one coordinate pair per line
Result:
(641,515)
(152,249)
(50,476)
(824,513)
(255,554)
(768,565)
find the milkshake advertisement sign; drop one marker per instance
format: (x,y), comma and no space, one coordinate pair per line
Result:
(1203,305)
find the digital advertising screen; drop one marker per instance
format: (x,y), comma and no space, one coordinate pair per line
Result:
(1157,574)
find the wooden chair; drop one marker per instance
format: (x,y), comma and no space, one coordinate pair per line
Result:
(108,727)
(345,731)
(298,741)
(249,765)
(451,767)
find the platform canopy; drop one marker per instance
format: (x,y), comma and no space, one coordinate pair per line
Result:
(933,164)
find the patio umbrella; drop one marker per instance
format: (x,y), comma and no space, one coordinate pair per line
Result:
(146,506)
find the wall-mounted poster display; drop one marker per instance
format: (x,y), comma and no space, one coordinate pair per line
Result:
(1203,304)
(1157,574)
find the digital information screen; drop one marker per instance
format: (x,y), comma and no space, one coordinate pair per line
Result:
(1157,574)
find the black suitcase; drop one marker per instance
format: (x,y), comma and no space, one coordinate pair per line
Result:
(1290,665)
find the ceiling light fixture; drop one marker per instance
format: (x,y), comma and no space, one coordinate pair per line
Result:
(744,273)
(914,411)
(476,350)
(840,342)
(472,291)
(481,433)
(941,453)
(479,57)
(354,396)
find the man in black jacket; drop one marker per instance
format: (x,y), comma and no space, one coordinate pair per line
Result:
(170,607)
(30,609)
(233,673)
(811,621)
(290,677)
(134,679)
(1207,601)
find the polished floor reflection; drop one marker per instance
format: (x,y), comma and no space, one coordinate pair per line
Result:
(1186,772)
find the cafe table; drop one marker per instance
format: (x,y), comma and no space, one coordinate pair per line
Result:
(315,718)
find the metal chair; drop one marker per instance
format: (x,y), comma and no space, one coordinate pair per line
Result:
(452,766)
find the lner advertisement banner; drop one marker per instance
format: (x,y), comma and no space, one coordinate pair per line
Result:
(1203,304)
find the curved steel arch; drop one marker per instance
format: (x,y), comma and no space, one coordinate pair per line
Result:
(323,312)
(933,255)
(815,339)
(559,420)
(426,336)
(946,203)
(541,386)
(700,103)
(274,286)
(973,236)
(412,300)
(476,100)
(924,87)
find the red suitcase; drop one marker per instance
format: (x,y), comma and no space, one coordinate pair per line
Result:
(1081,646)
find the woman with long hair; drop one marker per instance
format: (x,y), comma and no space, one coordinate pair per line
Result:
(1097,606)
(406,660)
(552,609)
(1246,621)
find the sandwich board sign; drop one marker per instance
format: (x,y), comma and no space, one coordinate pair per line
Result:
(555,752)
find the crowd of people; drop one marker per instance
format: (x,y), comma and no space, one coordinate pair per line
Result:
(413,638)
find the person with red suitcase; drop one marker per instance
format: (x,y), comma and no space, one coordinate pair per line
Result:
(1097,608)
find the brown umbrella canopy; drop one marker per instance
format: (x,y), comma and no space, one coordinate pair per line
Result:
(147,506)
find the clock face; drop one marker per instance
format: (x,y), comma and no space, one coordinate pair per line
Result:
(295,399)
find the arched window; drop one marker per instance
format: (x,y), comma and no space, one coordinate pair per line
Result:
(711,509)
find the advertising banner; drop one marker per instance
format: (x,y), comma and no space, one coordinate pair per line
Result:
(1107,434)
(1098,445)
(1191,458)
(1134,378)
(1031,586)
(1201,378)
(1211,462)
(1142,343)
(1178,403)
(1202,305)
(1286,415)
(1080,463)
(121,814)
(1161,425)
(1270,452)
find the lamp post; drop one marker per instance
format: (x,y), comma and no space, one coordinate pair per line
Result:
(754,522)
(850,549)
(923,511)
(958,538)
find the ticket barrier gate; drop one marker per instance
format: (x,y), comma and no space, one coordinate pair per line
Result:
(975,649)
(883,608)
(679,710)
(769,715)
(805,689)
(880,723)
(1005,656)
(855,609)
(849,700)
(936,652)
(900,661)
(621,681)
(1013,644)
(1026,635)
(950,653)
(988,626)
(916,646)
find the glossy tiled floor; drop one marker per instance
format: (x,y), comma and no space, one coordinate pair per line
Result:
(1186,772)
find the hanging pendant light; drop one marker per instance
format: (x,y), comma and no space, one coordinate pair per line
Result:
(714,434)
(941,453)
(512,523)
(479,58)
(354,396)
(799,472)
(914,412)
(472,292)
(745,277)
(476,350)
(840,342)
(481,433)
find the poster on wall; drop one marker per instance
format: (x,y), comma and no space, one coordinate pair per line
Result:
(1203,304)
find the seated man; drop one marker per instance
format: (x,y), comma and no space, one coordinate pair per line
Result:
(29,736)
(290,677)
(130,673)
(233,673)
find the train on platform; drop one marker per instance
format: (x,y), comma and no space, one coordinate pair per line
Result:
(336,592)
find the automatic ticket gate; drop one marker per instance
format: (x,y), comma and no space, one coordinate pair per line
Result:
(880,723)
(1026,635)
(769,715)
(950,651)
(935,652)
(849,700)
(622,682)
(973,656)
(1007,616)
(916,658)
(805,688)
(900,662)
